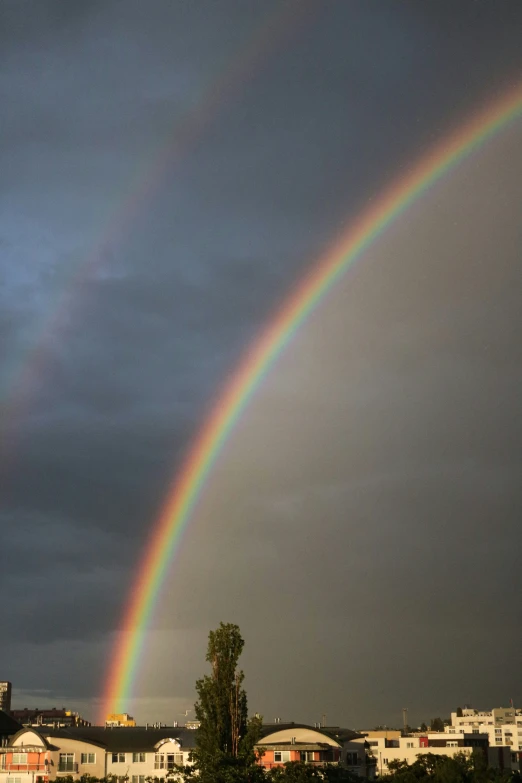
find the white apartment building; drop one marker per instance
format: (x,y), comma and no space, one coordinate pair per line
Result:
(410,747)
(44,755)
(503,725)
(133,753)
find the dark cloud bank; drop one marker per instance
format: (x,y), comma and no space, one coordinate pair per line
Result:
(362,524)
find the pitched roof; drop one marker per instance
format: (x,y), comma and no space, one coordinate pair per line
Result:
(125,738)
(8,725)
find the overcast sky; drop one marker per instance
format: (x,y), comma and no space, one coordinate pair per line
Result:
(169,171)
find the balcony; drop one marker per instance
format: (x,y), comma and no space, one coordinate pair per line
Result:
(67,766)
(41,767)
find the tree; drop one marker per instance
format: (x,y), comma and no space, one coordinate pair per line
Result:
(460,768)
(423,727)
(295,772)
(437,724)
(226,739)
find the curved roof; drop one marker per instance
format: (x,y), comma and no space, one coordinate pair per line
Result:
(30,730)
(336,733)
(126,738)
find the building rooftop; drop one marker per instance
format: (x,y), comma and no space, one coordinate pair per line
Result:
(8,725)
(336,733)
(125,738)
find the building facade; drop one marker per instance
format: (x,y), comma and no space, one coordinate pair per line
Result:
(53,717)
(44,754)
(119,719)
(5,696)
(503,726)
(281,743)
(408,748)
(25,758)
(128,753)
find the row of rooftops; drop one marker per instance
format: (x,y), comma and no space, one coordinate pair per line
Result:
(144,739)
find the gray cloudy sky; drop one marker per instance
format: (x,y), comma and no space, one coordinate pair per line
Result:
(362,525)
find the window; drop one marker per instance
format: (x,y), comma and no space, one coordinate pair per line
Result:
(159,761)
(476,731)
(281,755)
(498,740)
(66,762)
(19,758)
(118,758)
(173,759)
(138,778)
(385,761)
(88,758)
(14,780)
(410,745)
(498,731)
(138,757)
(351,759)
(452,744)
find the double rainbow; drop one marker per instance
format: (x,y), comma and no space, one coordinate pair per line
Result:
(189,483)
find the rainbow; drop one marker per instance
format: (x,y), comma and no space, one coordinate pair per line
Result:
(189,483)
(238,70)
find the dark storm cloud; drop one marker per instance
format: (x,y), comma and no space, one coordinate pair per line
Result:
(387,440)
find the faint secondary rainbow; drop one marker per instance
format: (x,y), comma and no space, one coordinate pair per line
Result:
(206,447)
(238,69)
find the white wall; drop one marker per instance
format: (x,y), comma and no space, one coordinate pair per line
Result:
(147,767)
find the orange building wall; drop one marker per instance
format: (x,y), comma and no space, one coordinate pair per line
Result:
(35,763)
(295,755)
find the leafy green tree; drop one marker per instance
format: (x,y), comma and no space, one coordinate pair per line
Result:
(398,765)
(437,724)
(433,768)
(225,741)
(301,772)
(295,772)
(334,773)
(423,727)
(222,705)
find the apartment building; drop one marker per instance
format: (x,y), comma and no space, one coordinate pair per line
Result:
(44,754)
(503,726)
(52,717)
(5,696)
(410,747)
(119,719)
(39,756)
(283,742)
(25,758)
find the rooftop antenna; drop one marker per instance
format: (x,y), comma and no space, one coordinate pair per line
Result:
(405,719)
